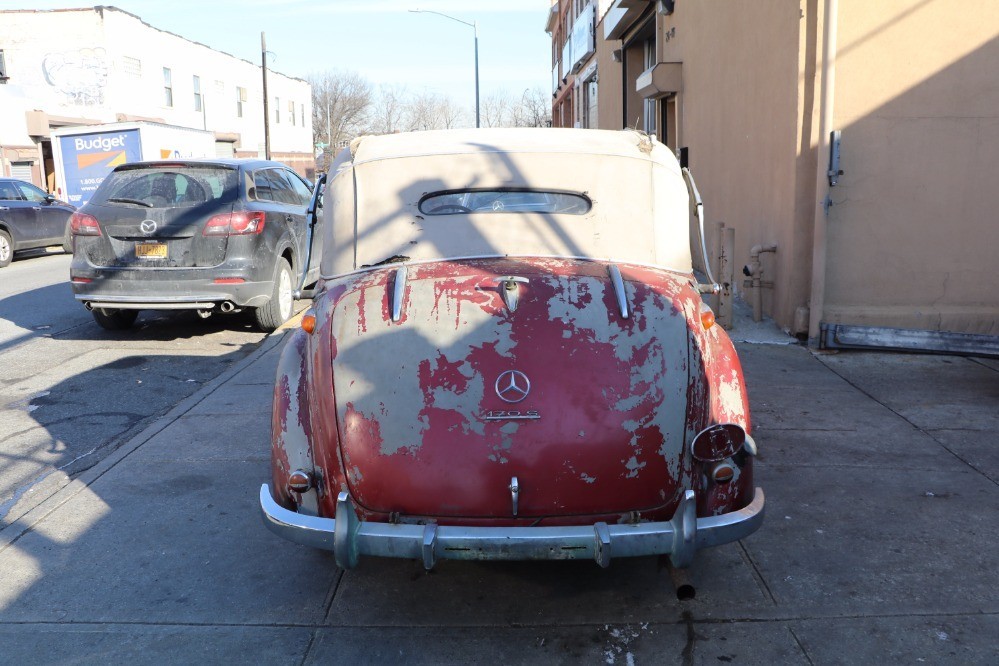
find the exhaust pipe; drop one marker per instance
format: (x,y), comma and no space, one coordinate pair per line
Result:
(227,306)
(89,306)
(680,578)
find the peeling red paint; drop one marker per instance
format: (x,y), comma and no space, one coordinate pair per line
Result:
(458,465)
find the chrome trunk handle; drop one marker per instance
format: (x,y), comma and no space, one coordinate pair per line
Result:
(511,289)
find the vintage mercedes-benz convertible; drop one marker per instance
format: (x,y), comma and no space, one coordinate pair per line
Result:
(508,357)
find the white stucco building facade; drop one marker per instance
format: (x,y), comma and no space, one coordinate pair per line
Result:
(97,65)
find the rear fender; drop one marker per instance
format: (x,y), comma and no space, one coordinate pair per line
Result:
(291,426)
(717,394)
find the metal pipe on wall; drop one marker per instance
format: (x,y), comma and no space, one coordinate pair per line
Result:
(754,270)
(818,294)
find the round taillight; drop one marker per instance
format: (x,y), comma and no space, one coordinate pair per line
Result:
(722,472)
(718,442)
(300,481)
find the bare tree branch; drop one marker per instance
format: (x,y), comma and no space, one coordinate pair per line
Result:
(496,110)
(389,111)
(429,111)
(534,110)
(341,103)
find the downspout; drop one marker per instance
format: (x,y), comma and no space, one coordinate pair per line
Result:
(819,250)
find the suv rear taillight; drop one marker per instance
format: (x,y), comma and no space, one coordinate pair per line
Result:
(81,224)
(241,223)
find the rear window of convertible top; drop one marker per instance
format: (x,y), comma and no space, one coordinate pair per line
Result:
(169,186)
(457,202)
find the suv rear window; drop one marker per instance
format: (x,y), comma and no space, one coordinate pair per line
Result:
(168,186)
(456,202)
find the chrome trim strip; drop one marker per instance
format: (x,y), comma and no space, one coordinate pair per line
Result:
(149,305)
(689,274)
(349,538)
(643,157)
(398,292)
(698,210)
(618,282)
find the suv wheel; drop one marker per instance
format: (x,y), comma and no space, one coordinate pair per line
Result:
(277,310)
(6,248)
(114,320)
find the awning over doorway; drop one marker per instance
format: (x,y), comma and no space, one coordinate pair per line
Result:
(660,80)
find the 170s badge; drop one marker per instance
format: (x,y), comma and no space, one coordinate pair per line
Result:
(512,415)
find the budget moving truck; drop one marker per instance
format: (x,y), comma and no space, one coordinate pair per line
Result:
(84,156)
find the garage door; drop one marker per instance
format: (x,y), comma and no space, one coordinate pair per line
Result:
(21,171)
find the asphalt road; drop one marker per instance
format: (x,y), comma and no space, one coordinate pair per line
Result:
(71,392)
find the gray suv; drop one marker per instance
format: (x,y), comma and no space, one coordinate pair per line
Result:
(204,235)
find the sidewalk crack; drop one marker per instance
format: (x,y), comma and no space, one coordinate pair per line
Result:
(801,646)
(757,574)
(331,597)
(925,431)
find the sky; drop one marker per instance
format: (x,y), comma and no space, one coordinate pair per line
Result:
(379,39)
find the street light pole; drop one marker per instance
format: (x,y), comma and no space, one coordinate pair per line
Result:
(475,28)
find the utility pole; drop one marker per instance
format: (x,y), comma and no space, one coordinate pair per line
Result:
(267,117)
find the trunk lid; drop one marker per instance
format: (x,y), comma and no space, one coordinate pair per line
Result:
(433,423)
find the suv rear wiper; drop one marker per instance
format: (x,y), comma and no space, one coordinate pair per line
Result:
(131,201)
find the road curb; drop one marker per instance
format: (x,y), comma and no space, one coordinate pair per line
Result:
(11,532)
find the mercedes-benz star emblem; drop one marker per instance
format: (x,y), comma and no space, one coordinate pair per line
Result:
(512,386)
(148,226)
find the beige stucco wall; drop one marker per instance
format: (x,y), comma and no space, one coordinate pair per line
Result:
(739,117)
(912,234)
(609,105)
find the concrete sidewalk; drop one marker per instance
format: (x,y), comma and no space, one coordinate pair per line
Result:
(880,542)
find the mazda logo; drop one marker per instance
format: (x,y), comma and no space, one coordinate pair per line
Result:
(148,226)
(512,386)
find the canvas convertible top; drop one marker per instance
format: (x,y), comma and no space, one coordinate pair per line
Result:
(636,201)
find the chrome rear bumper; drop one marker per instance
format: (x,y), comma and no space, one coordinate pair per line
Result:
(350,538)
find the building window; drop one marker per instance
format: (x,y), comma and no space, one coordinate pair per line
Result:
(649,103)
(240,99)
(303,114)
(277,110)
(167,87)
(291,112)
(590,103)
(131,66)
(3,68)
(197,93)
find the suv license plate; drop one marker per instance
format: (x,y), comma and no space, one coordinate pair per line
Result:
(151,250)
